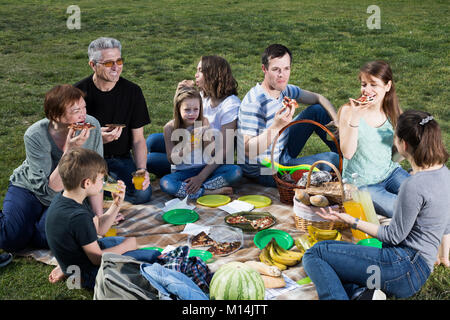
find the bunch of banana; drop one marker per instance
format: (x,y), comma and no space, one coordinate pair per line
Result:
(275,255)
(303,243)
(306,241)
(317,234)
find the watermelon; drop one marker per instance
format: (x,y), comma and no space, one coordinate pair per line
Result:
(236,281)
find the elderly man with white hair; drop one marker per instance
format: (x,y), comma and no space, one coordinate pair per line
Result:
(115,100)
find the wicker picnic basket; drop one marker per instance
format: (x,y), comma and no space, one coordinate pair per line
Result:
(306,215)
(286,189)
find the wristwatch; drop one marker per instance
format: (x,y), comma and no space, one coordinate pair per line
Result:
(355,223)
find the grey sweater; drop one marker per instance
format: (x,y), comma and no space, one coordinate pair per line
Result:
(421,214)
(42,157)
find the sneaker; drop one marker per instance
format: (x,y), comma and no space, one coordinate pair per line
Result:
(370,294)
(5,258)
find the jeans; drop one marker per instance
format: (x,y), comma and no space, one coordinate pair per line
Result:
(170,282)
(88,275)
(384,194)
(157,162)
(224,175)
(298,135)
(22,221)
(338,269)
(121,169)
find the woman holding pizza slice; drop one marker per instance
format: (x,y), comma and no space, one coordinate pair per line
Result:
(36,181)
(366,132)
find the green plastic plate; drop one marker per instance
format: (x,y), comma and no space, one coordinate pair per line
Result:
(283,238)
(180,216)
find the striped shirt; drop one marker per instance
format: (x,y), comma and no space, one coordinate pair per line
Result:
(256,114)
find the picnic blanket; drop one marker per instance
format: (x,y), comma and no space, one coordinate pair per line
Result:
(146,224)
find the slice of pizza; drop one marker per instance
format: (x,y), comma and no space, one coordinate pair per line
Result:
(202,240)
(261,223)
(115,125)
(291,103)
(81,125)
(224,248)
(238,219)
(363,100)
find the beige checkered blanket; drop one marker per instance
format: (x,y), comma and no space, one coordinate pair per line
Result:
(145,222)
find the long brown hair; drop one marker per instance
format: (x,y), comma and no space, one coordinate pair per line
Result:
(180,95)
(381,70)
(219,80)
(423,136)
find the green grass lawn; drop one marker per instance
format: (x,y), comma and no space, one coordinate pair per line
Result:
(163,42)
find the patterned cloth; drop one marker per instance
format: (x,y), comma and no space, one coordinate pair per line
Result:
(192,267)
(145,222)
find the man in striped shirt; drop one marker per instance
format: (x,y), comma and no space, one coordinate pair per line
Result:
(262,115)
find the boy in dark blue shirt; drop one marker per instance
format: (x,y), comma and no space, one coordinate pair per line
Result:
(72,227)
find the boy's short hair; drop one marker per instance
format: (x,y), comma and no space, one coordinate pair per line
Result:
(78,165)
(274,51)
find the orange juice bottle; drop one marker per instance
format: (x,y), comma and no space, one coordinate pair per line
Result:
(356,210)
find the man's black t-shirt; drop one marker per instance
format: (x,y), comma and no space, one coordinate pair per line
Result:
(69,227)
(124,104)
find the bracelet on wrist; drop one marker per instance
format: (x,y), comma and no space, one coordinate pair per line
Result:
(355,223)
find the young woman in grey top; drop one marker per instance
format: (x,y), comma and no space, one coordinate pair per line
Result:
(411,240)
(36,181)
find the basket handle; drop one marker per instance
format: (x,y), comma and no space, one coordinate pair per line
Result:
(274,142)
(338,174)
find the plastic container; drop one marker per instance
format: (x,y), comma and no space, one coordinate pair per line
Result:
(371,242)
(356,210)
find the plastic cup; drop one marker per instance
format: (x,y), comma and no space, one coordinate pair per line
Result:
(138,179)
(110,184)
(111,233)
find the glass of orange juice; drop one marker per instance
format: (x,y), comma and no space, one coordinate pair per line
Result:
(112,232)
(356,210)
(110,184)
(138,179)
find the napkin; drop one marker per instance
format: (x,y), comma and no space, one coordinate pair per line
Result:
(194,229)
(177,204)
(237,206)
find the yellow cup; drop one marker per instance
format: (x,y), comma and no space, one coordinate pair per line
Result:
(138,179)
(356,210)
(111,232)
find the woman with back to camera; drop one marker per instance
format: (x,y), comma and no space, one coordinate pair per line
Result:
(421,218)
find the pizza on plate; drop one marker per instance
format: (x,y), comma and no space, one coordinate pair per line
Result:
(224,248)
(261,223)
(202,240)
